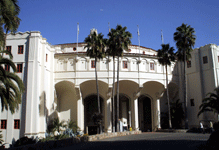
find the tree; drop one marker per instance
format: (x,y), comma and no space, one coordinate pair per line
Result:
(185,40)
(210,103)
(72,125)
(177,113)
(9,11)
(11,86)
(57,125)
(119,40)
(1,141)
(165,56)
(96,49)
(112,52)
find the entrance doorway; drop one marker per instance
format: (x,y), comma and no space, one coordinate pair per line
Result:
(123,112)
(91,107)
(144,113)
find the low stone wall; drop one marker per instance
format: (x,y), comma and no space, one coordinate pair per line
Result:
(109,135)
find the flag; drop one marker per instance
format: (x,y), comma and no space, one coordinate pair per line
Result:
(138,32)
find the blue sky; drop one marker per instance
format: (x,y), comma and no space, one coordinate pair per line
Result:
(57,19)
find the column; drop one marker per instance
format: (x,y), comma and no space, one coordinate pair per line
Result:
(80,111)
(107,115)
(134,114)
(158,114)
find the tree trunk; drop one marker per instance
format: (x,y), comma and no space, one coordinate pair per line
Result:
(98,96)
(168,99)
(117,95)
(185,93)
(113,93)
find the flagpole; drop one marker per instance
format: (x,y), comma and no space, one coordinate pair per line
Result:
(162,37)
(138,62)
(77,36)
(138,39)
(109,26)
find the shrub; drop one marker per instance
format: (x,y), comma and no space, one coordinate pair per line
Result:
(24,141)
(61,136)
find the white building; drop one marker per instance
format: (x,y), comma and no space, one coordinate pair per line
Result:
(60,82)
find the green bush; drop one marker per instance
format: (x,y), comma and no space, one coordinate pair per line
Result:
(24,141)
(57,137)
(49,138)
(61,136)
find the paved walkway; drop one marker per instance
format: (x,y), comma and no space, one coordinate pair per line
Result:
(148,141)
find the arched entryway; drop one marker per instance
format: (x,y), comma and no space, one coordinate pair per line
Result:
(91,107)
(66,101)
(145,113)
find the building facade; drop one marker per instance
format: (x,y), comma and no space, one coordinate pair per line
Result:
(60,82)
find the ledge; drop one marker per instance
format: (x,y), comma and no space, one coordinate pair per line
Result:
(110,135)
(173,130)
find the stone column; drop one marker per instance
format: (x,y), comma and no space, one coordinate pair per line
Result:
(80,110)
(158,114)
(134,114)
(107,115)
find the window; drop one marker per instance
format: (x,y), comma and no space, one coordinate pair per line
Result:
(143,52)
(92,64)
(151,66)
(218,58)
(192,102)
(3,124)
(74,49)
(16,124)
(8,48)
(20,49)
(125,64)
(19,68)
(7,67)
(188,64)
(205,60)
(46,57)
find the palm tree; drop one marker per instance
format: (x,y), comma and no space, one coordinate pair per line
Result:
(210,103)
(96,49)
(165,56)
(72,125)
(119,40)
(185,40)
(177,113)
(112,52)
(9,11)
(11,86)
(57,125)
(1,141)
